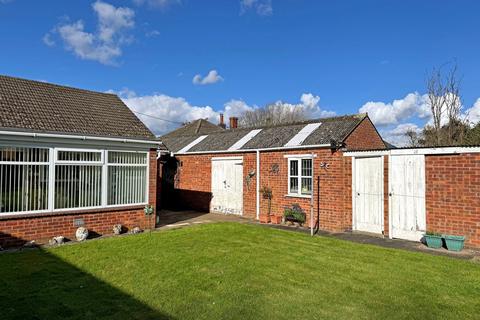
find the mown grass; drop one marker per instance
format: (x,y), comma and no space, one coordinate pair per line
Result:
(234,271)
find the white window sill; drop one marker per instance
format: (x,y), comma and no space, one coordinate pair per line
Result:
(294,195)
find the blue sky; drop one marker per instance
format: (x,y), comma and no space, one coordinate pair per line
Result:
(184,59)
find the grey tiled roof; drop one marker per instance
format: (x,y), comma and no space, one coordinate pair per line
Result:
(27,105)
(334,128)
(200,126)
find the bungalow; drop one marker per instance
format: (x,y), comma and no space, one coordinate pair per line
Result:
(255,171)
(70,158)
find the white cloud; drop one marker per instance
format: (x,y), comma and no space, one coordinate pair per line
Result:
(261,7)
(383,114)
(211,78)
(178,110)
(397,137)
(310,105)
(156,3)
(174,109)
(152,33)
(473,114)
(47,39)
(105,44)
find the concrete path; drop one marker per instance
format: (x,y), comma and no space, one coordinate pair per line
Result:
(175,219)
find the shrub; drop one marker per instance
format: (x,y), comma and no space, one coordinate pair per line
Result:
(294,213)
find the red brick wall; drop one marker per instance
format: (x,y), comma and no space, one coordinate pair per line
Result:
(193,181)
(365,136)
(330,187)
(41,227)
(453,195)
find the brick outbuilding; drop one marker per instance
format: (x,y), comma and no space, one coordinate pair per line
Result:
(233,171)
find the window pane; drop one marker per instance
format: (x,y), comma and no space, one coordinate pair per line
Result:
(126,185)
(306,186)
(18,154)
(127,157)
(75,156)
(293,185)
(294,167)
(23,187)
(307,167)
(77,186)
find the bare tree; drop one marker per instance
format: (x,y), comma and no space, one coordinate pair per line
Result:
(413,138)
(273,114)
(445,103)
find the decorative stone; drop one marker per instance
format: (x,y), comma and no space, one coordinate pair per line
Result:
(137,230)
(1,249)
(117,229)
(81,234)
(56,240)
(29,244)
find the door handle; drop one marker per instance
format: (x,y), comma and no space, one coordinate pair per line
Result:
(358,193)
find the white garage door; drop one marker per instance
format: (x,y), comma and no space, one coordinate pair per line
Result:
(407,196)
(368,195)
(227,185)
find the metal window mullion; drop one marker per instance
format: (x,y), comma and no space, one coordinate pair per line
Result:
(146,182)
(104,182)
(2,200)
(51,180)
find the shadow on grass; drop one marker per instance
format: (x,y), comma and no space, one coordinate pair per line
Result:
(35,284)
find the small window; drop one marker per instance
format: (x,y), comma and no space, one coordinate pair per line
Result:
(300,177)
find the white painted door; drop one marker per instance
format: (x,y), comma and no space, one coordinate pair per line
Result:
(407,196)
(368,195)
(227,185)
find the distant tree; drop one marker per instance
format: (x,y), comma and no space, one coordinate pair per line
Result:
(414,139)
(472,136)
(272,114)
(444,99)
(452,133)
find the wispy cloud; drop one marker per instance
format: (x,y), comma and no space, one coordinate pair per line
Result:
(261,7)
(105,44)
(152,33)
(162,4)
(211,78)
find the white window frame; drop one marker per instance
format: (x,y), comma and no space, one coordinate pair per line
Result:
(75,163)
(299,176)
(53,162)
(105,177)
(23,163)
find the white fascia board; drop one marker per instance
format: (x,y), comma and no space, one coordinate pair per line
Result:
(76,137)
(243,141)
(302,134)
(413,151)
(306,155)
(192,144)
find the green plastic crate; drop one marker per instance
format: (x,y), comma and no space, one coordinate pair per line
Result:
(454,243)
(433,241)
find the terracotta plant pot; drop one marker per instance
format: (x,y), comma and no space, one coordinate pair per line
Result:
(276,219)
(264,218)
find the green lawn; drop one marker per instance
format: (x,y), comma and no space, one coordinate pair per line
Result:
(234,271)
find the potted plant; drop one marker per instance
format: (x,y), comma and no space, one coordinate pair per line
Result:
(454,243)
(276,219)
(266,194)
(294,214)
(433,239)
